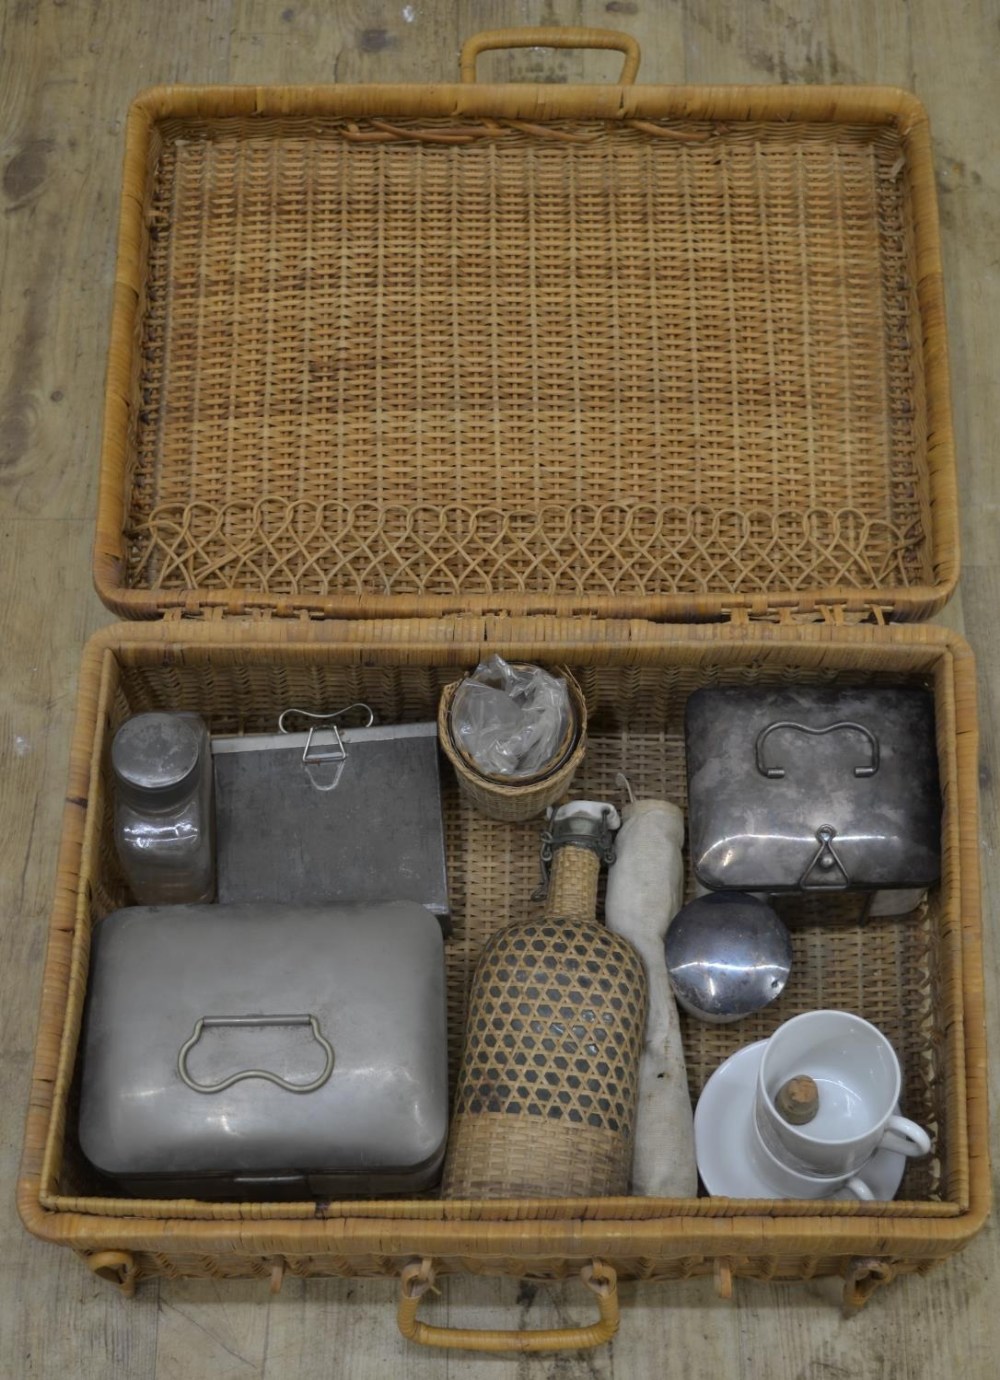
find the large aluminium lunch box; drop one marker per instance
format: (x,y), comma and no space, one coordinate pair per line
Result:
(648,381)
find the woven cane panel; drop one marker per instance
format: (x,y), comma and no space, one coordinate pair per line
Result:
(495,1155)
(609,364)
(887,971)
(556,1017)
(627,1267)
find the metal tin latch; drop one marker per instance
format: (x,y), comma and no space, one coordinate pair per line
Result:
(825,870)
(322,754)
(830,872)
(586,824)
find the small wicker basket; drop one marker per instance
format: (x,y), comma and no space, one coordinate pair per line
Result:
(524,800)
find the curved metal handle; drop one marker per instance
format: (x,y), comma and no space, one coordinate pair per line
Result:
(336,754)
(599,1278)
(327,718)
(776,773)
(552,38)
(207,1022)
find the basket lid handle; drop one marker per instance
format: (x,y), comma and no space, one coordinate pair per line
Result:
(551,37)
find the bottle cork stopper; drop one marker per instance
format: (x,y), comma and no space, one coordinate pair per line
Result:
(798,1100)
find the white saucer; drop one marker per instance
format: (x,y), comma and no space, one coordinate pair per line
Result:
(723,1125)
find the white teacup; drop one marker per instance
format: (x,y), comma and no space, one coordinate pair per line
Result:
(790,1183)
(857,1074)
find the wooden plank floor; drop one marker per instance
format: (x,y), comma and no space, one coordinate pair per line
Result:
(67,71)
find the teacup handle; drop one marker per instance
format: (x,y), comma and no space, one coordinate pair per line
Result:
(860,1190)
(905,1137)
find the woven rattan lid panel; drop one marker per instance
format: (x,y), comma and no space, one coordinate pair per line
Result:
(579,364)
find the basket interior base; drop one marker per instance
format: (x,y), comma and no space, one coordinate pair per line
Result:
(886,970)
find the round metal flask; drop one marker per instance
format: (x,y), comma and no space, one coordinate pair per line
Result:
(728,955)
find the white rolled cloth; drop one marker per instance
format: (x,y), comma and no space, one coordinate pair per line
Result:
(645,892)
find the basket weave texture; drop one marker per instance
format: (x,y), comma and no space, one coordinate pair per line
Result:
(545,1102)
(651,356)
(916,978)
(470,353)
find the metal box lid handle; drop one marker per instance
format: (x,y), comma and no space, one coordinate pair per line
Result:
(215,1021)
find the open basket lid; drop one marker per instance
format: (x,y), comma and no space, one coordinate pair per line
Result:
(643,352)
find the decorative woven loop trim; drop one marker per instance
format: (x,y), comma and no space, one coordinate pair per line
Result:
(323,547)
(862,1279)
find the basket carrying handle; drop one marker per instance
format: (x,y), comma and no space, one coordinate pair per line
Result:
(418,1278)
(552,38)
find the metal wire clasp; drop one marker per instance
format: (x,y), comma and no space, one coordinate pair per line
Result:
(586,824)
(335,752)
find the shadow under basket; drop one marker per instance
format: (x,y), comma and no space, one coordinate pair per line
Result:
(917,977)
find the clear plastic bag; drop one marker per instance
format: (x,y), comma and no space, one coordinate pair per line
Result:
(511,721)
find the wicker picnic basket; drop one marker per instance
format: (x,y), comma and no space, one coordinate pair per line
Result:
(650,382)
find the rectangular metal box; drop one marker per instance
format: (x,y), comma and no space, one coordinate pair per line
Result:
(354,816)
(260,1050)
(810,789)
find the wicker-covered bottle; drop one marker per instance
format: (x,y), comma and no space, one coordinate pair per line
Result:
(545,1103)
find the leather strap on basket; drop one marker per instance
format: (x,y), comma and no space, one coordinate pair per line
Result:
(418,1277)
(552,38)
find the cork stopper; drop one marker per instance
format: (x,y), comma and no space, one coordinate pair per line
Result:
(798,1100)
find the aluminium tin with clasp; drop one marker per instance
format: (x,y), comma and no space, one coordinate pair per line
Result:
(813,790)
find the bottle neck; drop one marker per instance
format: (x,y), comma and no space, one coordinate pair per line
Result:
(573,880)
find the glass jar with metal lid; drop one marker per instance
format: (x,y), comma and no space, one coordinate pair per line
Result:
(164,824)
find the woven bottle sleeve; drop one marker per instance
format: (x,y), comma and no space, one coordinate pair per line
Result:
(572,893)
(547,1086)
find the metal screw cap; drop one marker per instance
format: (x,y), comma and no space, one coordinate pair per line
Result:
(154,757)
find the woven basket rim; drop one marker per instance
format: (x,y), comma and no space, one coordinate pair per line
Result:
(926,1230)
